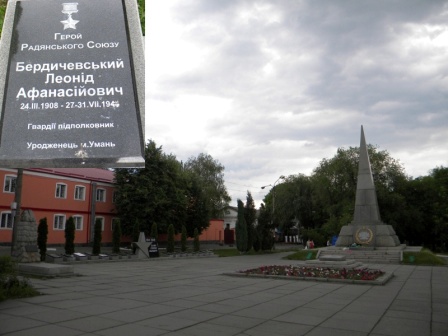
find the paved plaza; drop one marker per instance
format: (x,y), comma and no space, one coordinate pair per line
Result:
(191,296)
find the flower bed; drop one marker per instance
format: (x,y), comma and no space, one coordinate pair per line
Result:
(315,272)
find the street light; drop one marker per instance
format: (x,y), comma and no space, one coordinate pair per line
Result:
(282,177)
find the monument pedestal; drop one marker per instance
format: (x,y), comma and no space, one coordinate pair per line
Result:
(369,235)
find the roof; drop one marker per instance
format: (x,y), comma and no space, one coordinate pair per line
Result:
(91,174)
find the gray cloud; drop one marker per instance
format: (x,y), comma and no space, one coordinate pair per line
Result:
(302,76)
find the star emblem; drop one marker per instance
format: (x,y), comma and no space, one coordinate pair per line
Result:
(142,246)
(69,23)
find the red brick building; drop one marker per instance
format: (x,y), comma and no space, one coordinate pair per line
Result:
(85,194)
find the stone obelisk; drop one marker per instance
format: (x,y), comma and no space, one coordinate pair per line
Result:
(366,229)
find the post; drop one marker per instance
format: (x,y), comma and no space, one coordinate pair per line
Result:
(17,201)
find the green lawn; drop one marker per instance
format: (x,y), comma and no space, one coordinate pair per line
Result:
(424,257)
(303,255)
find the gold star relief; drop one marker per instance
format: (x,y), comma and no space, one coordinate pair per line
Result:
(69,23)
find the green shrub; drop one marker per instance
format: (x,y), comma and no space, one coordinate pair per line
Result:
(116,237)
(241,229)
(97,237)
(154,231)
(70,236)
(423,257)
(183,239)
(170,243)
(196,244)
(42,235)
(136,231)
(10,285)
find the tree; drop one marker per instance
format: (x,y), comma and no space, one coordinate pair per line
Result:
(154,194)
(334,188)
(42,235)
(135,230)
(183,239)
(197,211)
(116,237)
(97,237)
(70,236)
(250,216)
(154,232)
(241,229)
(170,246)
(196,244)
(265,229)
(167,192)
(211,178)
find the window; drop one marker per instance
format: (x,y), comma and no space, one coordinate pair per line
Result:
(101,219)
(10,184)
(114,197)
(61,190)
(101,195)
(78,222)
(59,222)
(80,193)
(6,221)
(114,222)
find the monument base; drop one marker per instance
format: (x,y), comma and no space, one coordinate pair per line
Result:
(369,235)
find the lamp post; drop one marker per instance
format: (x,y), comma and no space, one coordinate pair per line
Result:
(282,177)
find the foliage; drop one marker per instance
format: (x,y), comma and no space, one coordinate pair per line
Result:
(135,230)
(196,243)
(141,11)
(241,229)
(183,239)
(424,257)
(154,231)
(167,192)
(316,236)
(70,236)
(97,237)
(324,201)
(2,13)
(116,237)
(154,194)
(42,235)
(198,206)
(210,174)
(265,229)
(250,216)
(170,245)
(10,285)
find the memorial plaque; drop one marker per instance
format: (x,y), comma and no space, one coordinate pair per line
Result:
(153,249)
(70,98)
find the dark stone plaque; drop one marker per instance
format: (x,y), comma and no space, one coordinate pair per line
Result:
(70,97)
(153,249)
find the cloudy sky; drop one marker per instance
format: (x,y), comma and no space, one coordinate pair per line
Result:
(270,88)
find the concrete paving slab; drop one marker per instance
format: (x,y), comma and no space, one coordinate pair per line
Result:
(181,296)
(48,329)
(321,331)
(350,321)
(270,328)
(91,323)
(402,327)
